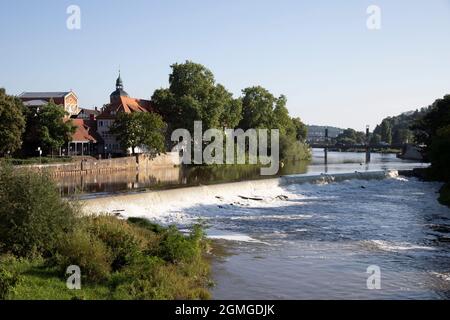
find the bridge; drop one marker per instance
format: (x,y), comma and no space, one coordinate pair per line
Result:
(368,147)
(323,145)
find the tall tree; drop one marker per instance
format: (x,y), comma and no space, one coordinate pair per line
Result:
(12,123)
(262,110)
(386,131)
(438,116)
(193,95)
(48,128)
(140,129)
(301,130)
(258,106)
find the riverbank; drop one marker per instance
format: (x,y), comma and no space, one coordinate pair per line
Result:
(82,166)
(424,175)
(50,250)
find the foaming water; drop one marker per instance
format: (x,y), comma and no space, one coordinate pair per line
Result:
(289,239)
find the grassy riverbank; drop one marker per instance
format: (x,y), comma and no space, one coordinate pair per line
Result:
(41,235)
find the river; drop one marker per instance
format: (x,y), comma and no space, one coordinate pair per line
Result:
(315,240)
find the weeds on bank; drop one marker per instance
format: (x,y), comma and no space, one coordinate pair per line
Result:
(42,234)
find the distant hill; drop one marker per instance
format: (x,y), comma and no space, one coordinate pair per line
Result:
(397,129)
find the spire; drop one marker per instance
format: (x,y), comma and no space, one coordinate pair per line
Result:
(119,89)
(119,83)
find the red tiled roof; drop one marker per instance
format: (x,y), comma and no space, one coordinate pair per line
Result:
(127,105)
(83,133)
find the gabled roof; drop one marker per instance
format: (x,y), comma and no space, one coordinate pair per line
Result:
(89,111)
(84,132)
(127,105)
(42,95)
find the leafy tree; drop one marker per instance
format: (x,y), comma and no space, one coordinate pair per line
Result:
(400,128)
(47,127)
(140,129)
(33,217)
(439,154)
(55,129)
(193,95)
(351,137)
(438,116)
(386,132)
(301,129)
(258,106)
(262,110)
(12,123)
(375,139)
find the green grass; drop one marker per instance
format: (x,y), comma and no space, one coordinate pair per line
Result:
(41,235)
(37,281)
(162,265)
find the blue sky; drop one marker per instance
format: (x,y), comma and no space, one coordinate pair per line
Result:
(320,54)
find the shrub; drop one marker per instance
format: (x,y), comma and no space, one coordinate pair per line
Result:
(8,280)
(9,276)
(86,251)
(176,247)
(125,243)
(146,224)
(32,214)
(150,278)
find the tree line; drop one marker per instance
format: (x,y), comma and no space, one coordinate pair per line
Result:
(433,132)
(193,95)
(23,130)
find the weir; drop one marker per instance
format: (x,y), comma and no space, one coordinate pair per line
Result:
(159,203)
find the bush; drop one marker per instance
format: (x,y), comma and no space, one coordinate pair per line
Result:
(8,281)
(293,150)
(122,239)
(176,247)
(150,278)
(33,217)
(86,251)
(146,224)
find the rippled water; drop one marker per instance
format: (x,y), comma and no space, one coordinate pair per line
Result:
(319,243)
(316,241)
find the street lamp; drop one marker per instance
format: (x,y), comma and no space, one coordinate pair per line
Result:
(40,154)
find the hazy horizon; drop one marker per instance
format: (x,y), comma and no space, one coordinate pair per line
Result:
(332,68)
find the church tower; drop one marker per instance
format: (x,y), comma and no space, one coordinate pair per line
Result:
(119,92)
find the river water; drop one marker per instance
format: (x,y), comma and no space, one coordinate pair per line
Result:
(316,241)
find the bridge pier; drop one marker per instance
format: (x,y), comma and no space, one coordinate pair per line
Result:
(326,147)
(367,154)
(367,144)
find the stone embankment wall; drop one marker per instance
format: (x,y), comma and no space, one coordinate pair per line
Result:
(89,165)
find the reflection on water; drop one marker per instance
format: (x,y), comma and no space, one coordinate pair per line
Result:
(105,183)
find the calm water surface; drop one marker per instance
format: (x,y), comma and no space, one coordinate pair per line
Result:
(129,181)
